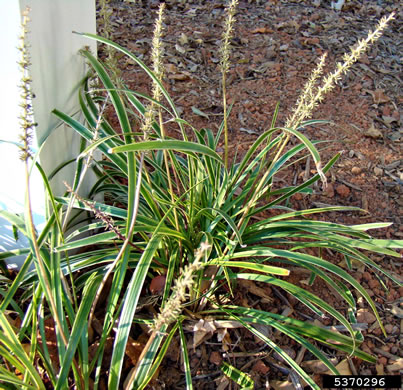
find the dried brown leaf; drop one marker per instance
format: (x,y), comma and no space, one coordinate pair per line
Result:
(179,76)
(256,290)
(379,96)
(316,366)
(133,350)
(343,367)
(180,49)
(262,30)
(373,132)
(397,311)
(396,366)
(282,385)
(183,40)
(388,119)
(201,331)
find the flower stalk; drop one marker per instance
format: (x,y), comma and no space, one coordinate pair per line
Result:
(311,98)
(158,69)
(105,14)
(106,219)
(27,126)
(86,166)
(224,65)
(27,117)
(173,306)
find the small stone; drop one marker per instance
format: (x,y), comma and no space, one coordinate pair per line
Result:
(314,41)
(386,111)
(365,316)
(386,347)
(377,331)
(373,283)
(281,385)
(179,77)
(366,348)
(356,170)
(157,285)
(389,328)
(391,296)
(343,190)
(316,366)
(215,358)
(314,17)
(329,191)
(298,196)
(394,349)
(366,276)
(364,60)
(396,115)
(378,171)
(194,362)
(260,367)
(382,360)
(396,330)
(360,156)
(291,298)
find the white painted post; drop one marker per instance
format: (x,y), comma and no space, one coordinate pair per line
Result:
(56,70)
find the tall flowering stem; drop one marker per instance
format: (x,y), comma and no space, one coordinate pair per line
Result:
(306,96)
(86,166)
(105,218)
(224,64)
(27,125)
(304,110)
(157,52)
(105,14)
(158,69)
(311,97)
(26,118)
(185,282)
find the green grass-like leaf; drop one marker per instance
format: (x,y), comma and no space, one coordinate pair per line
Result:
(239,377)
(180,146)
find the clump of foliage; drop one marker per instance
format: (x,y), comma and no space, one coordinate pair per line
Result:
(174,208)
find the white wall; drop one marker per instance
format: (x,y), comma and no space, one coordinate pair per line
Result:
(56,72)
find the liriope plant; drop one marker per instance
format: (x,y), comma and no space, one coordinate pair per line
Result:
(174,208)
